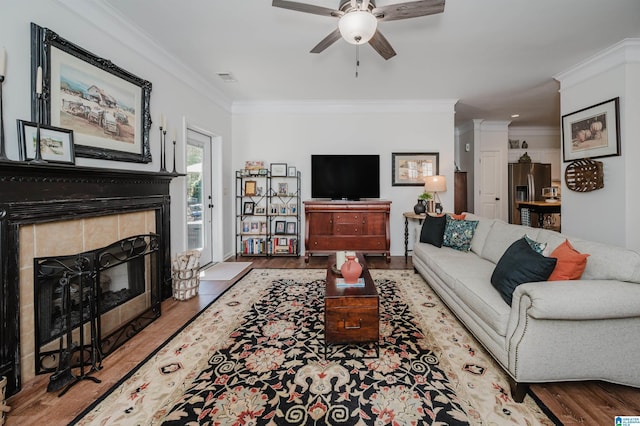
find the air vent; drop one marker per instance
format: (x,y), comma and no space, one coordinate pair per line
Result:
(227,77)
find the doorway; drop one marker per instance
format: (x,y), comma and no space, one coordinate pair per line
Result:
(203,215)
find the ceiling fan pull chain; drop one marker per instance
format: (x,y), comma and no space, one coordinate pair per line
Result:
(357,58)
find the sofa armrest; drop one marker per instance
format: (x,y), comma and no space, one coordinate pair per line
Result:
(577,300)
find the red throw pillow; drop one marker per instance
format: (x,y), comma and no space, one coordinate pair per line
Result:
(458,216)
(571,263)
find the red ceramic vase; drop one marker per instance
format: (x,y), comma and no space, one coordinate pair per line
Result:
(351,270)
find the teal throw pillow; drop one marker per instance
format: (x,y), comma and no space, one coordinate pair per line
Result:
(536,246)
(458,233)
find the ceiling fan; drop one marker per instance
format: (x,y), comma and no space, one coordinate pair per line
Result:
(358,20)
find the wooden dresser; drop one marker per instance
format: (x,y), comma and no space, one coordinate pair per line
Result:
(347,225)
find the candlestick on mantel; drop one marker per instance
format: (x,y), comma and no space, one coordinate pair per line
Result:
(39,81)
(3,62)
(38,155)
(3,69)
(174,154)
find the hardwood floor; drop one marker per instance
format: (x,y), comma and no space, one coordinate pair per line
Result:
(582,403)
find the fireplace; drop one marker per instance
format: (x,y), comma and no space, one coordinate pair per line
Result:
(72,291)
(54,211)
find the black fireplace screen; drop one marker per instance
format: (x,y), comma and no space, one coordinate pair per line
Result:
(71,290)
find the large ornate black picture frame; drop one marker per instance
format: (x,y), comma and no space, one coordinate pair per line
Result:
(106,107)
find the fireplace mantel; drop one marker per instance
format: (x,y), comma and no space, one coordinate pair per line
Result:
(37,193)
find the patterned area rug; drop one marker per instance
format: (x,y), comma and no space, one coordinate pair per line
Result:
(256,357)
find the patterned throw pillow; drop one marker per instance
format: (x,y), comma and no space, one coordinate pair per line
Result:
(536,246)
(458,233)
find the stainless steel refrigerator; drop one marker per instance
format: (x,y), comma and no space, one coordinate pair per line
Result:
(526,181)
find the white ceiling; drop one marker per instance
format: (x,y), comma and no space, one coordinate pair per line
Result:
(497,57)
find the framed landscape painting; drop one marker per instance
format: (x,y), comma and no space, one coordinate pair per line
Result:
(56,144)
(410,168)
(592,132)
(106,107)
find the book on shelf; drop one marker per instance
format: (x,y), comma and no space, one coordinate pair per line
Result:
(340,283)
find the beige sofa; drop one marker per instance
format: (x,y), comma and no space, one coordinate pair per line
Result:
(554,330)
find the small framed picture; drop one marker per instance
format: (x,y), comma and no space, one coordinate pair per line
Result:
(248,207)
(246,225)
(283,209)
(56,144)
(293,209)
(273,209)
(592,132)
(255,227)
(283,241)
(259,210)
(254,165)
(278,169)
(291,171)
(291,228)
(263,227)
(250,187)
(283,188)
(280,226)
(262,172)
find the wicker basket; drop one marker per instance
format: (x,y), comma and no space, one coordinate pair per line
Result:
(185,273)
(4,408)
(584,175)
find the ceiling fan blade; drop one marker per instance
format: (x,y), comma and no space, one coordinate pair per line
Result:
(382,46)
(327,41)
(413,9)
(307,8)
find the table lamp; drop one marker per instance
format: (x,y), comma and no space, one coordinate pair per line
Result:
(434,184)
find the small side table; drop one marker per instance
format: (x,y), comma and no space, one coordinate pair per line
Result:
(410,216)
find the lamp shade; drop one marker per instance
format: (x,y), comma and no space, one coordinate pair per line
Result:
(436,183)
(358,26)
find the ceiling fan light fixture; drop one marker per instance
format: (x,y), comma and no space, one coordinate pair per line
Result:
(358,26)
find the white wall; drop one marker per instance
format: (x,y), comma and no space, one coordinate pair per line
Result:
(614,208)
(290,133)
(537,137)
(177,91)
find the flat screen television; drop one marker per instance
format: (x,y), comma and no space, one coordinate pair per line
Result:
(345,177)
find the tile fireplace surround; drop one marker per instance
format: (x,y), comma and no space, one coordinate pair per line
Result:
(50,210)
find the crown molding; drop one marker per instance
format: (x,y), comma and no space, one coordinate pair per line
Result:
(345,106)
(116,25)
(624,52)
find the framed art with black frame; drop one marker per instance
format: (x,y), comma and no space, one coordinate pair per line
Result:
(56,144)
(291,228)
(410,168)
(592,132)
(106,106)
(248,207)
(280,227)
(278,169)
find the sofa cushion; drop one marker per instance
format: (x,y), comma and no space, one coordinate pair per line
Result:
(501,236)
(480,234)
(433,230)
(607,262)
(571,263)
(458,233)
(479,296)
(520,264)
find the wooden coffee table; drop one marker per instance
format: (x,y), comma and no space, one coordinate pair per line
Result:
(351,314)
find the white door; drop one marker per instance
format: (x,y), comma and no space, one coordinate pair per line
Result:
(490,184)
(200,196)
